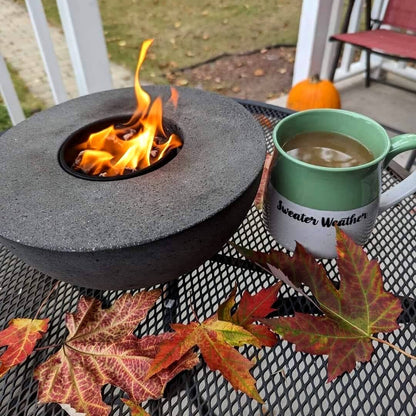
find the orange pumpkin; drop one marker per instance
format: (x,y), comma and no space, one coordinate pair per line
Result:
(313,93)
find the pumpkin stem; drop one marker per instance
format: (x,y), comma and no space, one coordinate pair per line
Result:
(315,79)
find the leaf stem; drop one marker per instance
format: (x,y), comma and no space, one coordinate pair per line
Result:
(46,299)
(47,347)
(194,312)
(394,347)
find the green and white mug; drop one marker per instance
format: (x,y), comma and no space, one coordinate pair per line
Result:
(304,201)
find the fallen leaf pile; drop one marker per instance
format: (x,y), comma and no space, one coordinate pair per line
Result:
(101,347)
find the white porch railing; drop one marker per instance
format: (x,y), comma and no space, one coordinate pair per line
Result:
(9,95)
(43,38)
(83,31)
(319,20)
(84,35)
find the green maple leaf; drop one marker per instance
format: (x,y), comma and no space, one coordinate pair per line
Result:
(352,313)
(101,349)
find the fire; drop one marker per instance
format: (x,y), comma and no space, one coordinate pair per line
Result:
(134,145)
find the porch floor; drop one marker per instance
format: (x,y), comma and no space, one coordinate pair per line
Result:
(390,106)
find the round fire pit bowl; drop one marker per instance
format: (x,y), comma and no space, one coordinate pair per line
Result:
(138,231)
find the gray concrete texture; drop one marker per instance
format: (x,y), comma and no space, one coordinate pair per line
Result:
(130,233)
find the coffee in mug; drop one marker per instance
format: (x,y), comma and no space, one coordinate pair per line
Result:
(304,201)
(325,148)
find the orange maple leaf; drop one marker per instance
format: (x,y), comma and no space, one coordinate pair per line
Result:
(217,336)
(214,339)
(20,338)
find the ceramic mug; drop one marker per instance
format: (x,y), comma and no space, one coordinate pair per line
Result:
(304,201)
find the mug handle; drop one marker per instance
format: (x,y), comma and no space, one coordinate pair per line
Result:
(407,186)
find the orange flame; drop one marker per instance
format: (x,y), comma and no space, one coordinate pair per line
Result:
(134,145)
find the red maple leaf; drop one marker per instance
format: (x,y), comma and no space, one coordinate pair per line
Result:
(101,349)
(250,309)
(293,267)
(20,337)
(353,313)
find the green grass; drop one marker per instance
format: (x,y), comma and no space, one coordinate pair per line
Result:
(187,32)
(30,104)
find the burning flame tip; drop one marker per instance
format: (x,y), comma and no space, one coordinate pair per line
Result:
(136,144)
(174,96)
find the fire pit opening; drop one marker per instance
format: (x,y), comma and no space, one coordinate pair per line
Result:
(122,147)
(160,153)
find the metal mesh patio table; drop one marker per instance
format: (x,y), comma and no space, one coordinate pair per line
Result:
(292,383)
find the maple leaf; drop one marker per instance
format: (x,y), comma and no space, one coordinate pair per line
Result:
(293,267)
(353,313)
(230,327)
(232,334)
(250,309)
(101,349)
(211,337)
(259,305)
(225,309)
(20,338)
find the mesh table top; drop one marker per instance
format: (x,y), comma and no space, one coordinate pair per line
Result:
(290,382)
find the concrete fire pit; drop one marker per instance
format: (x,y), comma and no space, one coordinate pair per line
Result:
(134,232)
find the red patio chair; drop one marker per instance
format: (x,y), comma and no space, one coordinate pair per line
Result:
(391,42)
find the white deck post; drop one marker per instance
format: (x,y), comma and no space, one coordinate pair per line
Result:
(9,95)
(377,12)
(348,55)
(43,38)
(312,38)
(82,25)
(331,47)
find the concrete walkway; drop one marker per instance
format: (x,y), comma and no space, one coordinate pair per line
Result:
(19,48)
